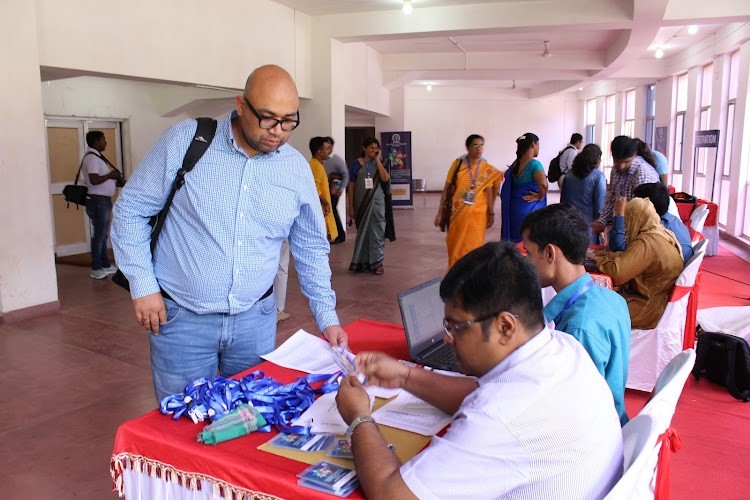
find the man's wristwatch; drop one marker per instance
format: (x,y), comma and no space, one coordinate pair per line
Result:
(355,423)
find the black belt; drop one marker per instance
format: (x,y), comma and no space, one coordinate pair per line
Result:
(265,295)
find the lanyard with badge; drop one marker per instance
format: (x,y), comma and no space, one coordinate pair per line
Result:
(470,194)
(585,288)
(368,179)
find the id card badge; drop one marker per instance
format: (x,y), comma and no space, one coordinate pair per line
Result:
(368,183)
(469,197)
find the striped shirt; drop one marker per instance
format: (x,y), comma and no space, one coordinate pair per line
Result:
(541,424)
(218,251)
(624,183)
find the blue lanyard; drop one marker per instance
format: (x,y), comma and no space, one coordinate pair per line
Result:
(472,177)
(367,167)
(572,299)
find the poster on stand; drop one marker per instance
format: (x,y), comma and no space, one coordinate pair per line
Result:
(396,152)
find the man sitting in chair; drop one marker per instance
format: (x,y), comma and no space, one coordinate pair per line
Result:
(556,238)
(537,422)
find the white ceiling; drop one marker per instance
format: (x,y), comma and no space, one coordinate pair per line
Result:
(492,43)
(332,7)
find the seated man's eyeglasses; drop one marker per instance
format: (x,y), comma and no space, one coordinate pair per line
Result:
(269,122)
(450,329)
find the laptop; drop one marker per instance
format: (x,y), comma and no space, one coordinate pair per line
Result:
(422,313)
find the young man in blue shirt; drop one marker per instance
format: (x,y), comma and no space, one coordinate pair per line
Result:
(556,239)
(659,196)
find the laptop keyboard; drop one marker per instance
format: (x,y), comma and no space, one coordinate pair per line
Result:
(444,357)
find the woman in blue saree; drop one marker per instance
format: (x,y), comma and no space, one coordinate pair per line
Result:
(369,202)
(524,189)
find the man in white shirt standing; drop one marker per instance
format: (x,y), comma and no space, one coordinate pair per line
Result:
(537,422)
(567,156)
(102,178)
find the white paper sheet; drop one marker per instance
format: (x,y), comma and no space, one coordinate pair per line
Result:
(410,413)
(304,352)
(323,416)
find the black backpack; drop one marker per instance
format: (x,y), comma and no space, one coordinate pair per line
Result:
(204,134)
(725,360)
(554,172)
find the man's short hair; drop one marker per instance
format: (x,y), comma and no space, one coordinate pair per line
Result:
(575,138)
(93,137)
(329,139)
(495,278)
(561,225)
(315,144)
(657,193)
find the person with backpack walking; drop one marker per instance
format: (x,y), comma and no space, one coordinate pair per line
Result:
(205,293)
(567,155)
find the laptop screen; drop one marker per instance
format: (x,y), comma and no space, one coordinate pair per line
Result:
(422,312)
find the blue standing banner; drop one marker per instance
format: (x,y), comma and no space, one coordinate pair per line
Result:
(396,156)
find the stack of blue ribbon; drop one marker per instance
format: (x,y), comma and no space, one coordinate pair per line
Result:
(279,404)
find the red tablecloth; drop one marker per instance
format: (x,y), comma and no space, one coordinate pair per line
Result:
(168,448)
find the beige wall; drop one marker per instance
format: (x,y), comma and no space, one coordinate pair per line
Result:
(172,40)
(27,268)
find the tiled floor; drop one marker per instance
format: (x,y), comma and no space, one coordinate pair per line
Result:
(71,378)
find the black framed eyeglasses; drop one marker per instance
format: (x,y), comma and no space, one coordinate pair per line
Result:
(268,122)
(450,329)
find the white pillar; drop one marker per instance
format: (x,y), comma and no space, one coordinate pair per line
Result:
(28,283)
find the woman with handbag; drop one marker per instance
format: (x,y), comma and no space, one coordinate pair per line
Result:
(369,202)
(467,203)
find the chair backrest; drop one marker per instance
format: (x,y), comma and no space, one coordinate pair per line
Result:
(668,388)
(698,219)
(640,456)
(700,246)
(673,317)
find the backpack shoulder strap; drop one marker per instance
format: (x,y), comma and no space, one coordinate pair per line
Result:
(204,135)
(78,174)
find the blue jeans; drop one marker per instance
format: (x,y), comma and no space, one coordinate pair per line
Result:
(190,346)
(99,210)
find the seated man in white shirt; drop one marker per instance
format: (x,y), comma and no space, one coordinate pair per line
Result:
(538,422)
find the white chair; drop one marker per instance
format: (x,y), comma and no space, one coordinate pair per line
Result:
(651,350)
(697,221)
(641,435)
(668,387)
(640,454)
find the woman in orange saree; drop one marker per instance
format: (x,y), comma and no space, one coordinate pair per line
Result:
(467,203)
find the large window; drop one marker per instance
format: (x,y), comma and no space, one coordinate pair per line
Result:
(628,124)
(650,114)
(679,130)
(590,120)
(608,133)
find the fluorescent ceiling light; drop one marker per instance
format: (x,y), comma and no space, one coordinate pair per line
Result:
(407,8)
(692,29)
(659,53)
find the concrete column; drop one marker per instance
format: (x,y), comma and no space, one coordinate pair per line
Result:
(28,283)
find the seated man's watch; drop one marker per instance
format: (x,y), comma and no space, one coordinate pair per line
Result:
(355,423)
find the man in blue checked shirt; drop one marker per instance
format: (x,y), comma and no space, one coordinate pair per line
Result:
(206,293)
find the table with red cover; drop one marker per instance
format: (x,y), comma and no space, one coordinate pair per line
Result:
(161,447)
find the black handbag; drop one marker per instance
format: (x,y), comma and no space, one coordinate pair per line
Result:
(76,193)
(204,134)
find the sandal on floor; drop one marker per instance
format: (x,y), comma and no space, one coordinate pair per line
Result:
(378,269)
